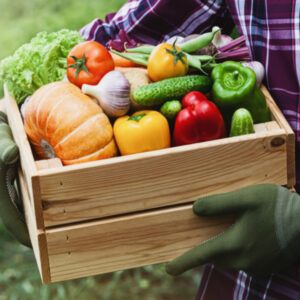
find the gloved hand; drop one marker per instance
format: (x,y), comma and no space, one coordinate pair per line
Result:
(10,210)
(264,238)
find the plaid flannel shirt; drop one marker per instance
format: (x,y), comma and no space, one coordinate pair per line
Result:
(272,32)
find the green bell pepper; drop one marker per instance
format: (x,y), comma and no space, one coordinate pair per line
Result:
(234,86)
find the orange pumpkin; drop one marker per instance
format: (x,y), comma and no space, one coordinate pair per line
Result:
(62,122)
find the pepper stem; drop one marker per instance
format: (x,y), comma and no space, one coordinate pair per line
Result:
(136,117)
(236,75)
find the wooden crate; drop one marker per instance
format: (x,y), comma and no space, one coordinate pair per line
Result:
(136,210)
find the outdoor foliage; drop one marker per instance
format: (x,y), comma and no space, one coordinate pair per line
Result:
(19,277)
(23,19)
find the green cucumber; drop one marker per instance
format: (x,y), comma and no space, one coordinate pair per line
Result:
(172,88)
(170,109)
(242,122)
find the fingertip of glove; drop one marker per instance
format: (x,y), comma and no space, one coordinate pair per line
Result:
(198,207)
(170,269)
(11,154)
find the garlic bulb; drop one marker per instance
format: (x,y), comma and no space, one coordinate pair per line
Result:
(112,93)
(174,38)
(23,107)
(258,69)
(221,40)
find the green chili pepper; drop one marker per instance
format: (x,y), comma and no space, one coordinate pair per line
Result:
(234,86)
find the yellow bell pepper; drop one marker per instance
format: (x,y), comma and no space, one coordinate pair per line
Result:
(144,131)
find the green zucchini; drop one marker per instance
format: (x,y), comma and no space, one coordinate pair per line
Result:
(172,88)
(242,122)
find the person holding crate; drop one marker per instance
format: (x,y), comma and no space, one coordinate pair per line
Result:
(257,256)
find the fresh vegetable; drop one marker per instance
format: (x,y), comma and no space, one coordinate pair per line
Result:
(177,39)
(23,107)
(144,49)
(145,130)
(170,109)
(112,93)
(61,121)
(199,42)
(200,120)
(167,61)
(235,50)
(242,122)
(120,61)
(88,62)
(142,59)
(138,58)
(172,88)
(258,69)
(183,51)
(37,63)
(136,77)
(221,40)
(234,86)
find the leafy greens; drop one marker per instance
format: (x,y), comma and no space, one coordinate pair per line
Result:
(37,63)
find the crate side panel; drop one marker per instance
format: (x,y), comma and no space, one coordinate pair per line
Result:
(26,157)
(37,237)
(127,242)
(180,176)
(16,125)
(282,122)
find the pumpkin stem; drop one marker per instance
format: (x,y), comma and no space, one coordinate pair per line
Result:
(48,150)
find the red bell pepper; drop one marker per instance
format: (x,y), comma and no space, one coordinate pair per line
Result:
(200,120)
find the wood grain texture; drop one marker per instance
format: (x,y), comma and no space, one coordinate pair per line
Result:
(279,117)
(26,156)
(160,178)
(37,236)
(127,242)
(48,163)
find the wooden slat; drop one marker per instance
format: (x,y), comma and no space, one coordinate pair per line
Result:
(127,242)
(278,116)
(37,236)
(160,178)
(48,163)
(26,157)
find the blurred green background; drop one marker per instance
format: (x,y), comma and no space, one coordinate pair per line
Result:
(19,277)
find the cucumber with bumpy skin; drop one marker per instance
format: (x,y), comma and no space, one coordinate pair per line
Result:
(242,122)
(172,88)
(170,109)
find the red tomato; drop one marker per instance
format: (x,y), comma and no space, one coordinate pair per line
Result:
(88,62)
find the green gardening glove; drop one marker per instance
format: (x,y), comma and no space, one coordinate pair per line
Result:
(264,238)
(10,210)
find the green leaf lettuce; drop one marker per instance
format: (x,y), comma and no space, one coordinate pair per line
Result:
(37,63)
